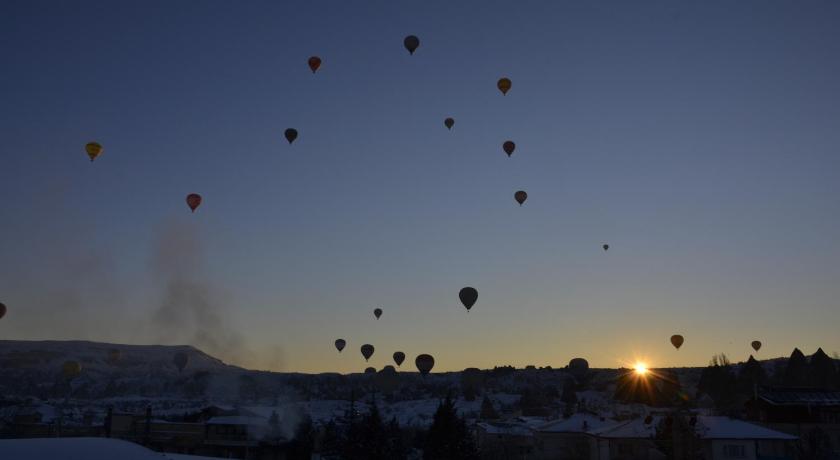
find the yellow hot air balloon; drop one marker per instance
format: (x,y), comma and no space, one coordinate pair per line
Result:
(93,149)
(504,85)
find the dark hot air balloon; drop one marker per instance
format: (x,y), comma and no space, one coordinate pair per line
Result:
(367,351)
(411,43)
(578,368)
(509,147)
(291,134)
(339,344)
(2,309)
(468,296)
(520,197)
(424,363)
(377,313)
(399,357)
(93,150)
(193,201)
(370,370)
(606,247)
(677,341)
(180,360)
(387,379)
(449,123)
(504,85)
(755,344)
(314,63)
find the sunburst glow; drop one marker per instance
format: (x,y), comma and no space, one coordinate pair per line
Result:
(640,368)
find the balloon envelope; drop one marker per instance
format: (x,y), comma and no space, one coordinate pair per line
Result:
(504,85)
(424,363)
(755,344)
(520,197)
(291,134)
(411,43)
(578,367)
(93,149)
(399,357)
(377,313)
(370,370)
(2,309)
(70,369)
(606,247)
(509,147)
(367,351)
(194,201)
(468,296)
(340,344)
(314,63)
(677,341)
(449,123)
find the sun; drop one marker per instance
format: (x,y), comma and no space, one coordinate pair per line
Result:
(640,369)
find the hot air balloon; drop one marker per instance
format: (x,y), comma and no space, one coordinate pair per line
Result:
(387,379)
(291,134)
(367,351)
(411,43)
(606,247)
(468,296)
(755,344)
(578,368)
(677,341)
(520,197)
(509,147)
(399,357)
(70,369)
(449,123)
(339,344)
(2,309)
(504,85)
(93,150)
(180,359)
(314,63)
(370,370)
(424,363)
(114,355)
(377,313)
(193,201)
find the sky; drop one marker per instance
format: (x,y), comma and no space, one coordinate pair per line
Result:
(698,139)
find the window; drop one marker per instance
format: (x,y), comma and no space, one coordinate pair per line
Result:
(734,451)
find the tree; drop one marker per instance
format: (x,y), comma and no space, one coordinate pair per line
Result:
(796,370)
(676,436)
(750,377)
(301,447)
(370,439)
(569,398)
(717,380)
(448,437)
(823,372)
(488,412)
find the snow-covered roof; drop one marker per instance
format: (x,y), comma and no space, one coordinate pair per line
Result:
(800,396)
(706,427)
(711,427)
(75,449)
(577,423)
(236,420)
(632,429)
(510,429)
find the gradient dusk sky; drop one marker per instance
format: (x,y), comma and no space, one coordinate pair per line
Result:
(699,139)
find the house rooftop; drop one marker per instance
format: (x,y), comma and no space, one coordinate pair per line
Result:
(710,427)
(577,423)
(510,429)
(800,396)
